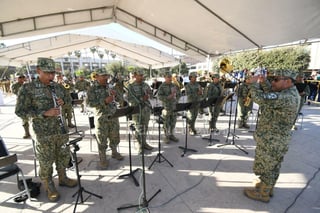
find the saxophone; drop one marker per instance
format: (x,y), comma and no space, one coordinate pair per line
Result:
(56,105)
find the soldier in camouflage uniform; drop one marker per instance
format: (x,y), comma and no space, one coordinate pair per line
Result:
(279,104)
(169,94)
(66,108)
(214,90)
(245,103)
(36,100)
(21,78)
(139,94)
(102,98)
(82,86)
(194,94)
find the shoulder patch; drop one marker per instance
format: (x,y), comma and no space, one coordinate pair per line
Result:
(270,96)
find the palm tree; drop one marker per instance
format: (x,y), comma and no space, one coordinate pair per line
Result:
(101,54)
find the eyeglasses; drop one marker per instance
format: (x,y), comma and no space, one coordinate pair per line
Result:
(279,79)
(21,77)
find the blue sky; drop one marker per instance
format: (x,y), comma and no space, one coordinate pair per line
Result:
(112,30)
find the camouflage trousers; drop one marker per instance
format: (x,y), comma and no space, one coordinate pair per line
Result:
(169,121)
(51,149)
(67,111)
(269,154)
(107,129)
(141,121)
(214,114)
(243,111)
(192,116)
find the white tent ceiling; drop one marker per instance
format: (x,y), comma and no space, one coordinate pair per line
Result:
(58,46)
(194,27)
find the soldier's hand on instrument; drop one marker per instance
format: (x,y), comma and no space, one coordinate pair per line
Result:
(108,99)
(52,112)
(60,102)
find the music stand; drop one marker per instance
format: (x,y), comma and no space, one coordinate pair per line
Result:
(207,103)
(157,112)
(234,127)
(185,107)
(75,162)
(131,128)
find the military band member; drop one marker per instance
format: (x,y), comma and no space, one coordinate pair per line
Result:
(139,94)
(66,108)
(214,90)
(21,79)
(245,103)
(304,91)
(40,101)
(194,94)
(169,94)
(279,103)
(102,98)
(82,86)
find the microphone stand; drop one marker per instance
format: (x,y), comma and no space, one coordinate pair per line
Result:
(234,124)
(131,173)
(145,201)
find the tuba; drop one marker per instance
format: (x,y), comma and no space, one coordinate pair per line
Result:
(225,65)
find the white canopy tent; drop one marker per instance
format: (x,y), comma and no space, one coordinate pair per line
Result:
(58,46)
(198,28)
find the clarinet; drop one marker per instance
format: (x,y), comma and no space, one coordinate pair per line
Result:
(56,105)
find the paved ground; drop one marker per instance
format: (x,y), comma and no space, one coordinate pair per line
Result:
(209,180)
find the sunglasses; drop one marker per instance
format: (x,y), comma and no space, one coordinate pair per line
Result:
(21,77)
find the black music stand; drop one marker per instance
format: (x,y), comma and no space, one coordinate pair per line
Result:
(207,103)
(228,85)
(75,162)
(130,111)
(157,112)
(185,107)
(234,127)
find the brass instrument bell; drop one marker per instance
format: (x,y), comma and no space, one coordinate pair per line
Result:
(225,65)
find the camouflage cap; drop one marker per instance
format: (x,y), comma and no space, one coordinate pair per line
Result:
(46,64)
(168,73)
(138,72)
(101,71)
(20,74)
(193,74)
(285,73)
(215,75)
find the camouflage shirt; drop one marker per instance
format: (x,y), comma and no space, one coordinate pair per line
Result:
(214,90)
(164,91)
(15,88)
(192,90)
(278,110)
(82,85)
(34,99)
(96,99)
(136,92)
